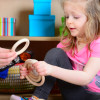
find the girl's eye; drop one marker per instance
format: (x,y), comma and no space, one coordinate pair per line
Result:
(76,17)
(67,17)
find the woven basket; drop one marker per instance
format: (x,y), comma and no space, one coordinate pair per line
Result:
(13,83)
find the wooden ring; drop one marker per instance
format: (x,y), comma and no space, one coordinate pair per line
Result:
(32,78)
(18,43)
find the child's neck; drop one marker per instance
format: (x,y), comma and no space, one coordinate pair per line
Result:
(80,46)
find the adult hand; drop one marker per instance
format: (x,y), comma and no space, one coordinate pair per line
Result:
(24,71)
(6,56)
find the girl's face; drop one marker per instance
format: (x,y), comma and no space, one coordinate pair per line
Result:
(75,19)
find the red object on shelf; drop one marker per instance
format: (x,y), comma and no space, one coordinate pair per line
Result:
(19,64)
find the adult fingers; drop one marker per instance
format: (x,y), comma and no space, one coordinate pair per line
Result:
(2,65)
(22,68)
(5,55)
(22,74)
(4,50)
(7,60)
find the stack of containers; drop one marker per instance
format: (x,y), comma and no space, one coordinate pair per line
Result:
(42,23)
(7,26)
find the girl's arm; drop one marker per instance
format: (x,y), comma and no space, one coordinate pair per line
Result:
(78,77)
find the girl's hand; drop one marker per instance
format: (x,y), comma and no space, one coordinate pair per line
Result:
(43,68)
(6,56)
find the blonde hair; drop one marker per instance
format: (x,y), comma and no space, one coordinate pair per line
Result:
(92,31)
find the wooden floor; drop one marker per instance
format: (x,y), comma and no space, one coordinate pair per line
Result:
(51,97)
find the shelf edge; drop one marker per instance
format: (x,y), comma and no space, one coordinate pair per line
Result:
(14,38)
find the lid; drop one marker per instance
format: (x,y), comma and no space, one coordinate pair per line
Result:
(42,0)
(51,17)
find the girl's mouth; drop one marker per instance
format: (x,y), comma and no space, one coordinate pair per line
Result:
(71,29)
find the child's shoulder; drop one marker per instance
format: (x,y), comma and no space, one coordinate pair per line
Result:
(96,41)
(61,43)
(95,48)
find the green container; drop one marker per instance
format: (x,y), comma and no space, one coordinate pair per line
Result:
(61,28)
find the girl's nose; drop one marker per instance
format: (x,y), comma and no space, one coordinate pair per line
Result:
(69,21)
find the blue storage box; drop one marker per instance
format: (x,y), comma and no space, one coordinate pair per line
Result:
(42,7)
(43,26)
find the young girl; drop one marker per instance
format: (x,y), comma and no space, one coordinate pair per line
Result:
(75,63)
